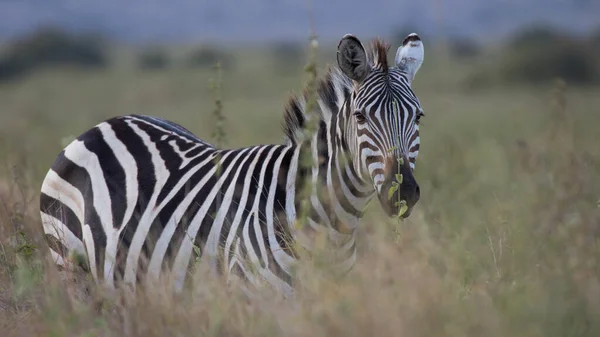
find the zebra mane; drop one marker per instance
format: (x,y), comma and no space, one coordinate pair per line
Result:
(379,50)
(332,90)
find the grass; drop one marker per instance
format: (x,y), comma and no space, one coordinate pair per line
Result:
(504,241)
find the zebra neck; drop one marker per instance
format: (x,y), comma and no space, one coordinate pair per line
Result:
(337,202)
(339,196)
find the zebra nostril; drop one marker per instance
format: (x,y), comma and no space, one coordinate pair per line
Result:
(417,193)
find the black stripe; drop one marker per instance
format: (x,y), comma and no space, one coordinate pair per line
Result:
(171,126)
(252,194)
(274,266)
(114,175)
(180,234)
(216,202)
(80,179)
(146,180)
(282,232)
(237,201)
(170,158)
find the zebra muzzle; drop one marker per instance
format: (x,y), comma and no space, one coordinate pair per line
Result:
(394,193)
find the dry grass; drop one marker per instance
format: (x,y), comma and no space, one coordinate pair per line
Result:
(503,243)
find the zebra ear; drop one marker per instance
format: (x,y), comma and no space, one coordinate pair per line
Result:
(352,58)
(409,57)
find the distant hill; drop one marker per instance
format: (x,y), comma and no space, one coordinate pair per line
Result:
(263,20)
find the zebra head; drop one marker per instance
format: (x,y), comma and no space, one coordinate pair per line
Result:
(382,117)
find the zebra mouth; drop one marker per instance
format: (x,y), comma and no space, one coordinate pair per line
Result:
(390,204)
(393,210)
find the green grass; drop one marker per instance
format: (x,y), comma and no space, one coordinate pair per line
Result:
(504,241)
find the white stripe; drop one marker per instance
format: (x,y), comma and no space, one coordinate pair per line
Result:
(354,181)
(254,259)
(290,196)
(257,227)
(161,174)
(334,201)
(57,259)
(357,203)
(90,246)
(163,130)
(55,227)
(346,265)
(214,236)
(183,255)
(81,156)
(256,210)
(56,187)
(283,259)
(242,202)
(127,162)
(164,240)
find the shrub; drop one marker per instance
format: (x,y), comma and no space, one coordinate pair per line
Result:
(535,35)
(543,64)
(595,39)
(568,59)
(463,48)
(47,47)
(540,54)
(207,57)
(152,59)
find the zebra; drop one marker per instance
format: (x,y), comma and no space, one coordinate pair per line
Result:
(137,196)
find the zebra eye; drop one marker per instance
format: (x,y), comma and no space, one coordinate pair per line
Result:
(418,118)
(360,117)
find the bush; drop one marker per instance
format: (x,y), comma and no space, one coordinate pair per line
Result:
(207,57)
(536,35)
(463,48)
(49,47)
(540,54)
(153,59)
(595,39)
(570,61)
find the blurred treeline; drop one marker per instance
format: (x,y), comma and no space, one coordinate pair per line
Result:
(531,55)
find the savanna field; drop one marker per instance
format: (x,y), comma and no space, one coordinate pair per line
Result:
(505,240)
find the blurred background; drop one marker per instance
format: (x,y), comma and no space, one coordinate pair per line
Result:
(508,226)
(65,65)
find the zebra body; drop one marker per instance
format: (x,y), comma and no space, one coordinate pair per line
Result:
(140,195)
